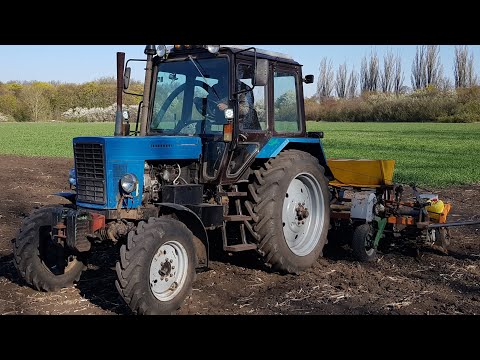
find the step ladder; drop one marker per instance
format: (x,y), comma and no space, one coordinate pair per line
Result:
(240,219)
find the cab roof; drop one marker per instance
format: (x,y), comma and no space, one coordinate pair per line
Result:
(261,53)
(244,50)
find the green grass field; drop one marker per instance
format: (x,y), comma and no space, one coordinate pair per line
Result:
(425,153)
(428,154)
(47,139)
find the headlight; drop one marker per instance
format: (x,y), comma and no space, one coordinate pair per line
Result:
(72,177)
(161,50)
(129,183)
(229,114)
(213,48)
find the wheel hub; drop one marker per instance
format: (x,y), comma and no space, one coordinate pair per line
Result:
(302,199)
(302,212)
(55,256)
(165,269)
(168,270)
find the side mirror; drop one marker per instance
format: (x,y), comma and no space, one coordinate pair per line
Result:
(261,72)
(308,79)
(126,78)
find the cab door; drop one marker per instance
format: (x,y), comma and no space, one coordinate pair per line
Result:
(252,124)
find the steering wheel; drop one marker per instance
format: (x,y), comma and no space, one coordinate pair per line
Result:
(210,109)
(168,101)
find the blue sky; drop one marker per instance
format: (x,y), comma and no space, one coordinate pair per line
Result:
(82,63)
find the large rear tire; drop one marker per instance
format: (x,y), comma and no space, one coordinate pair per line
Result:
(44,264)
(157,267)
(290,207)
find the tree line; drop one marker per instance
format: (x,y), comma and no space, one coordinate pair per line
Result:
(45,101)
(388,77)
(377,92)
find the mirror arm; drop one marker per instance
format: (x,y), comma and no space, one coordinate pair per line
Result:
(138,117)
(254,68)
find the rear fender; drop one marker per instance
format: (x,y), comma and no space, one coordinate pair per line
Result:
(312,145)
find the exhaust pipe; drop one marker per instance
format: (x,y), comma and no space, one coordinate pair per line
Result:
(118,114)
(149,51)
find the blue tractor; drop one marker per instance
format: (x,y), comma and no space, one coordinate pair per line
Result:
(219,158)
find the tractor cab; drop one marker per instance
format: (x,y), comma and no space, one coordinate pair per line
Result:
(235,99)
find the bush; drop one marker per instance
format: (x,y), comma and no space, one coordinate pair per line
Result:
(428,105)
(106,114)
(41,101)
(6,118)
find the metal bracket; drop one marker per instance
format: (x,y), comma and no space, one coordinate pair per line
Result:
(381,223)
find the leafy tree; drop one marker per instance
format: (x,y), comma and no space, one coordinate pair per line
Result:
(35,96)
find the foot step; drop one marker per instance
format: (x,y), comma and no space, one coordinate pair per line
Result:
(233,193)
(237,218)
(240,247)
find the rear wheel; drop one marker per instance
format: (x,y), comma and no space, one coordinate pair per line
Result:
(157,267)
(290,207)
(44,263)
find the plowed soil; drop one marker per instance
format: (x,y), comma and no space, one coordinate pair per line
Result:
(401,281)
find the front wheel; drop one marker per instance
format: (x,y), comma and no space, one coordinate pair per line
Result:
(157,267)
(291,210)
(45,264)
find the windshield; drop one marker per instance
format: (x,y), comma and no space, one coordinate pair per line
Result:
(187,97)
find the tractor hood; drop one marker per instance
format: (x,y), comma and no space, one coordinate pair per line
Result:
(100,163)
(124,148)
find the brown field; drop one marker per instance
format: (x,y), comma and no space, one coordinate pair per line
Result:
(400,282)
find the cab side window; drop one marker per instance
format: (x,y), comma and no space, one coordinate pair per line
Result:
(251,104)
(285,102)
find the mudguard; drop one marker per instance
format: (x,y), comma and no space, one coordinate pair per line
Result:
(194,224)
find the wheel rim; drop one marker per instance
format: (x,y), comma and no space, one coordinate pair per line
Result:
(168,270)
(55,258)
(302,214)
(369,249)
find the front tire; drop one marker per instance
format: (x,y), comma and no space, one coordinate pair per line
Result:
(291,210)
(157,267)
(45,265)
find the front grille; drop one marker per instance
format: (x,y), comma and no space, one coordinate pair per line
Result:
(90,171)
